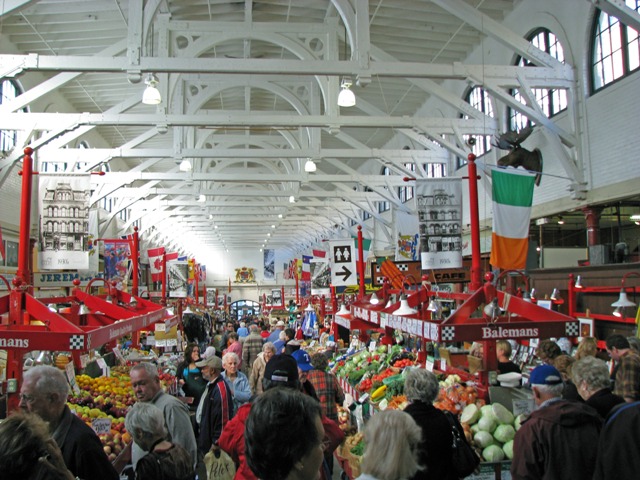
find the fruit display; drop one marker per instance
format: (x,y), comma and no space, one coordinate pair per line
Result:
(491,429)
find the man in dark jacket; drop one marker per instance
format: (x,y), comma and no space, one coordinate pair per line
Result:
(559,440)
(216,406)
(44,392)
(618,449)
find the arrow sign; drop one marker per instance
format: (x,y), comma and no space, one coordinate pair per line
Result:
(343,263)
(345,273)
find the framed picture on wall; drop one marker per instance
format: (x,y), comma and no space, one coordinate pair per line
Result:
(586,327)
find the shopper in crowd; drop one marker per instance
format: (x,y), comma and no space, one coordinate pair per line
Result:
(564,364)
(189,376)
(503,353)
(392,444)
(292,346)
(587,347)
(237,381)
(147,388)
(284,436)
(279,343)
(164,460)
(634,344)
(264,331)
(559,439)
(275,335)
(257,371)
(626,373)
(547,351)
(209,352)
(44,392)
(229,328)
(27,451)
(281,371)
(303,360)
(434,451)
(326,385)
(591,377)
(243,331)
(216,406)
(234,346)
(251,348)
(618,445)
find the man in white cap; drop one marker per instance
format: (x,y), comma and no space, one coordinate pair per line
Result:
(275,335)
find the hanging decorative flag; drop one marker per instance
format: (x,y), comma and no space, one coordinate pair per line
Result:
(512,199)
(407,238)
(439,206)
(306,268)
(319,253)
(3,255)
(64,222)
(155,263)
(170,257)
(269,263)
(116,260)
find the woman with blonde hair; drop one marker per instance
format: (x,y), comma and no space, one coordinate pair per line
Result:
(588,347)
(398,435)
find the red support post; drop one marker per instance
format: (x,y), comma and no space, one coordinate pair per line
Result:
(25,216)
(361,264)
(135,255)
(163,279)
(476,267)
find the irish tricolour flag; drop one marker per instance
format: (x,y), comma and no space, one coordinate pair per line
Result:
(512,198)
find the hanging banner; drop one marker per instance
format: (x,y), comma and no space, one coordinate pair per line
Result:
(178,279)
(155,263)
(276,297)
(439,205)
(94,257)
(320,276)
(116,261)
(343,267)
(269,263)
(407,238)
(63,221)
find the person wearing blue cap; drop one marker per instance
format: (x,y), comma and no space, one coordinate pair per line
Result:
(559,440)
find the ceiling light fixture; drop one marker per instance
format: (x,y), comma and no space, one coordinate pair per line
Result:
(151,95)
(292,199)
(185,166)
(310,166)
(346,98)
(560,221)
(202,197)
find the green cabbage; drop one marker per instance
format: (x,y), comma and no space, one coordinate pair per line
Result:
(504,433)
(470,414)
(483,439)
(493,453)
(507,448)
(487,423)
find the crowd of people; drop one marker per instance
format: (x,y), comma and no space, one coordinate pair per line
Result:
(272,408)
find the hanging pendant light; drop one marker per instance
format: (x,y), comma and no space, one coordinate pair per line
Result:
(578,283)
(374,300)
(151,95)
(346,98)
(404,309)
(343,310)
(310,166)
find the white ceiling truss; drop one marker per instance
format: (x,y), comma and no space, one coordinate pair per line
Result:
(249,94)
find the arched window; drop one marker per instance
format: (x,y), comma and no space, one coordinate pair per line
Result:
(551,100)
(615,48)
(384,206)
(479,99)
(8,91)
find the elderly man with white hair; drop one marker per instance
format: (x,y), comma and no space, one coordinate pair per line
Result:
(559,440)
(237,380)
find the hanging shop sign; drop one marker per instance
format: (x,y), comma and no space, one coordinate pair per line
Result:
(343,266)
(59,279)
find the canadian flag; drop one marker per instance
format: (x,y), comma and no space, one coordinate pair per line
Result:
(155,263)
(319,253)
(170,257)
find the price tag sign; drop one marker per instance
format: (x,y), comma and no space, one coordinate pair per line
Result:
(161,343)
(160,327)
(443,364)
(70,372)
(171,342)
(103,366)
(429,365)
(84,359)
(101,425)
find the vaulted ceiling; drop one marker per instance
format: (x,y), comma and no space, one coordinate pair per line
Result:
(249,95)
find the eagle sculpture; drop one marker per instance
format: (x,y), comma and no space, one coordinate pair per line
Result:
(519,156)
